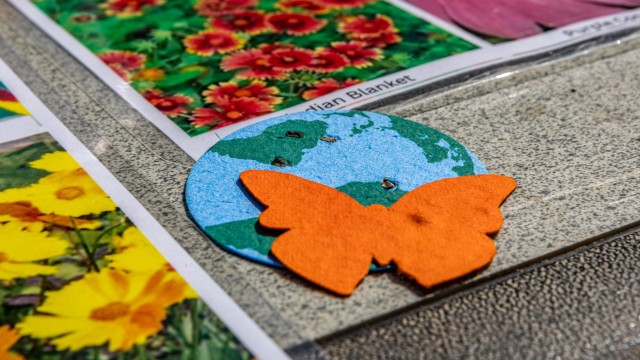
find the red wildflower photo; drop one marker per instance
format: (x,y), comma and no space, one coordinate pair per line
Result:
(170,105)
(295,24)
(209,42)
(250,22)
(257,89)
(253,64)
(237,59)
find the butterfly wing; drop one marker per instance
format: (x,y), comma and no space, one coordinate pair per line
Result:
(446,225)
(324,228)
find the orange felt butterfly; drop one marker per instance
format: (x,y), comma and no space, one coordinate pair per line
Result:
(435,233)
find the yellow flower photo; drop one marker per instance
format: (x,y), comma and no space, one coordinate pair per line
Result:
(79,280)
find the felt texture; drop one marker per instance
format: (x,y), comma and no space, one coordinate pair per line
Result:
(434,234)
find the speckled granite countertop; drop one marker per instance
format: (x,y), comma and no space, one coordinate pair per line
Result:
(568,131)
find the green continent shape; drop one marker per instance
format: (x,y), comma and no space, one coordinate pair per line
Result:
(243,234)
(273,143)
(427,139)
(370,193)
(361,128)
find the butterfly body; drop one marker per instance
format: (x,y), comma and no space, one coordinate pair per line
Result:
(434,234)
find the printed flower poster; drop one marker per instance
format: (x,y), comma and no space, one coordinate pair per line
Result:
(86,272)
(9,105)
(78,278)
(207,64)
(499,20)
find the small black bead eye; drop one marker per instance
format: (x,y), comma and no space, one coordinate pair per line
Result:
(279,162)
(387,184)
(293,134)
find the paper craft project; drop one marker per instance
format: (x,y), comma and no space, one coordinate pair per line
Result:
(9,104)
(358,158)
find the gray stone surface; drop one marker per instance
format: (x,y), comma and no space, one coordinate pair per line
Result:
(582,306)
(568,131)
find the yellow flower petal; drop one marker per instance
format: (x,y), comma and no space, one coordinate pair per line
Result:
(114,307)
(55,162)
(137,254)
(68,193)
(20,246)
(10,271)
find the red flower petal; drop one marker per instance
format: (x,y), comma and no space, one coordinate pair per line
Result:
(256,90)
(295,24)
(382,40)
(126,60)
(326,61)
(361,27)
(291,59)
(209,42)
(170,105)
(357,53)
(254,64)
(250,22)
(230,111)
(310,6)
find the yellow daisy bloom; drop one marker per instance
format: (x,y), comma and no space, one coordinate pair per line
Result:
(20,247)
(8,338)
(68,193)
(55,162)
(107,307)
(136,253)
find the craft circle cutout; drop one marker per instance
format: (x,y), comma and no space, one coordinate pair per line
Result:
(372,158)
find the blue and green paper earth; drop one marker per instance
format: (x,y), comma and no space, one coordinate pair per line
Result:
(352,151)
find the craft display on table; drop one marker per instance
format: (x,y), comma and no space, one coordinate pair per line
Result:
(325,194)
